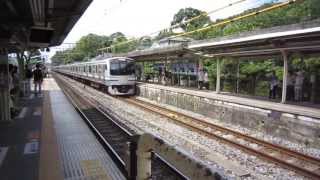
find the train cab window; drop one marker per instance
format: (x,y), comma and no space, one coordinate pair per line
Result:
(121,67)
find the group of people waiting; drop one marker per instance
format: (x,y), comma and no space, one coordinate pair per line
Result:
(294,86)
(164,76)
(14,84)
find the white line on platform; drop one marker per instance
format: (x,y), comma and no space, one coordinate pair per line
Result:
(31,96)
(23,112)
(37,111)
(3,153)
(31,147)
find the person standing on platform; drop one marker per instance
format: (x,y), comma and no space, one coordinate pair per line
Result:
(290,86)
(16,86)
(37,78)
(206,79)
(273,86)
(10,83)
(298,86)
(200,78)
(313,80)
(28,74)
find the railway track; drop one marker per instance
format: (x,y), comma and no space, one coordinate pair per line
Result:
(300,163)
(115,137)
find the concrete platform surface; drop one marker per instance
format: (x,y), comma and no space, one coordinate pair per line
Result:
(48,140)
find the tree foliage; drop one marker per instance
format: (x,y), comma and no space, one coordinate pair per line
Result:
(251,70)
(185,14)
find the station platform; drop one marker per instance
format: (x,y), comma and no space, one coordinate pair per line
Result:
(295,123)
(48,140)
(296,109)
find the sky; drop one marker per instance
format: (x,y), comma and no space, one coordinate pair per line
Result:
(136,18)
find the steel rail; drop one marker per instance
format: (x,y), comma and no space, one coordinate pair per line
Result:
(114,155)
(275,148)
(107,145)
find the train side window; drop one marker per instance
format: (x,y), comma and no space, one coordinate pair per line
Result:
(99,68)
(89,69)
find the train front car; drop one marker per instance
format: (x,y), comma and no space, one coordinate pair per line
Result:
(121,79)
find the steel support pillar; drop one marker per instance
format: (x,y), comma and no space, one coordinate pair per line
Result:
(285,75)
(218,76)
(4,88)
(238,76)
(143,77)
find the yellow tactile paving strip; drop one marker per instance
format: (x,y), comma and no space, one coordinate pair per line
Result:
(50,168)
(93,169)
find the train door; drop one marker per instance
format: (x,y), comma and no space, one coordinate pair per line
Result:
(100,68)
(93,71)
(107,69)
(89,70)
(97,73)
(104,71)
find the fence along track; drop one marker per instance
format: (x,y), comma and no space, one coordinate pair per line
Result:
(115,137)
(303,164)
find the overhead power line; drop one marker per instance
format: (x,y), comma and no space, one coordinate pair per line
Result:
(276,6)
(177,25)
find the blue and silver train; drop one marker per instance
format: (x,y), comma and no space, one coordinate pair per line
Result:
(116,75)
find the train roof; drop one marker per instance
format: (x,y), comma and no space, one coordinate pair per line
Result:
(103,61)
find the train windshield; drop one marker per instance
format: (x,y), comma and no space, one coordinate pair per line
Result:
(121,67)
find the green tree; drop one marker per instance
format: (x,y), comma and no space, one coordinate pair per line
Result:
(163,34)
(88,46)
(185,14)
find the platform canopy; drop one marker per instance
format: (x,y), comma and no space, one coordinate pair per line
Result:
(170,52)
(37,23)
(301,38)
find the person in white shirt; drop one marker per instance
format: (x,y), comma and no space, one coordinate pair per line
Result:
(200,78)
(206,79)
(298,86)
